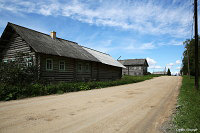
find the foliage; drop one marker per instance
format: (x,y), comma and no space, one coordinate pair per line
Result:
(188,114)
(189,53)
(168,72)
(16,72)
(9,92)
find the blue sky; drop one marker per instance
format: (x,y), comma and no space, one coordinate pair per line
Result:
(151,29)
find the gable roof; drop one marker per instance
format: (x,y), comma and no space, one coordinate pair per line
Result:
(43,43)
(133,62)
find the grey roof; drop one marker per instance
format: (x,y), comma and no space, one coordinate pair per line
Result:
(43,43)
(104,58)
(133,62)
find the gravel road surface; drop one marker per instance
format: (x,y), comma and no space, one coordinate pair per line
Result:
(140,107)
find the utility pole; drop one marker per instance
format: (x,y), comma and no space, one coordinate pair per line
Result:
(196,45)
(188,62)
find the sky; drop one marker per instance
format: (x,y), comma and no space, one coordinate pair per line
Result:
(133,29)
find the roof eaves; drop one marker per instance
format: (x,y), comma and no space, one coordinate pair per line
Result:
(94,50)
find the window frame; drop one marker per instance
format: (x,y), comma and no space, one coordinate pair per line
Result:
(81,67)
(60,64)
(51,64)
(5,60)
(87,67)
(28,61)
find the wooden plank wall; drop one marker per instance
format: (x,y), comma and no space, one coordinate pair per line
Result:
(98,71)
(56,74)
(134,70)
(84,75)
(15,45)
(107,72)
(94,71)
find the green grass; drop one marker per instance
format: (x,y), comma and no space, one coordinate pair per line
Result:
(12,92)
(188,114)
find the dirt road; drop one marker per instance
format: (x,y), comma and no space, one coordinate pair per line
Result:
(139,107)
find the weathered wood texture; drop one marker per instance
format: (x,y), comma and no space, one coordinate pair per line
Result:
(56,74)
(107,72)
(97,71)
(134,70)
(15,44)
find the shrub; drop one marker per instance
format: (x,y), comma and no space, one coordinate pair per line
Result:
(16,91)
(17,72)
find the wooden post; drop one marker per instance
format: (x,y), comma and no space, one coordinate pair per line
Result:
(188,63)
(196,45)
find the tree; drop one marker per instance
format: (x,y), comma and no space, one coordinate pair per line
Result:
(189,55)
(168,72)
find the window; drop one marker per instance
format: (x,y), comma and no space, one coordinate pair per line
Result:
(28,61)
(83,67)
(49,64)
(28,64)
(9,60)
(79,67)
(62,65)
(87,67)
(5,60)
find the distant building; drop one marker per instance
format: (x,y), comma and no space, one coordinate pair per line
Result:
(160,73)
(134,66)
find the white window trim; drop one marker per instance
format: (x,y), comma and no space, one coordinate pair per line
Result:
(52,65)
(5,60)
(59,65)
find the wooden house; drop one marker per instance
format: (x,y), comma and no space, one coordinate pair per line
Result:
(57,59)
(134,66)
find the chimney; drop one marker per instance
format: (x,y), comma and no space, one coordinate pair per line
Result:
(53,35)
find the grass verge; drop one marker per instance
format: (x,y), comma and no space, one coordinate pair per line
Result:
(12,92)
(187,117)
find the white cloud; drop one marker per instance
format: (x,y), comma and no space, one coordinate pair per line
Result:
(147,46)
(155,67)
(171,42)
(147,17)
(170,65)
(178,62)
(178,68)
(151,62)
(143,46)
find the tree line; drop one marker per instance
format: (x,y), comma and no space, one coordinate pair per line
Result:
(188,61)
